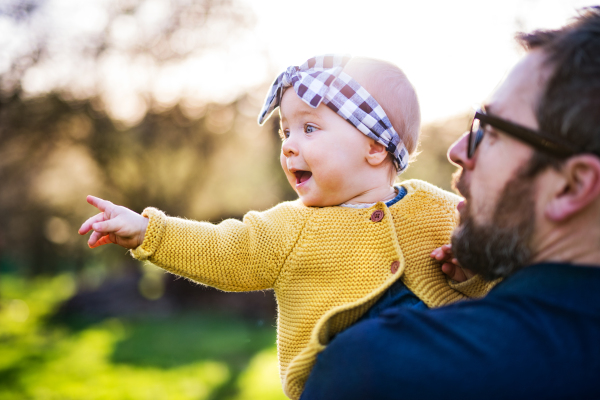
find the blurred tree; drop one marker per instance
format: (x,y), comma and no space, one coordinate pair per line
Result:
(79,115)
(431,164)
(217,165)
(60,140)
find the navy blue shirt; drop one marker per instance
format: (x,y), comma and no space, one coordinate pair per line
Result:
(535,336)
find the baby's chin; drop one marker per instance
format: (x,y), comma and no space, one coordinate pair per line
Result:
(314,201)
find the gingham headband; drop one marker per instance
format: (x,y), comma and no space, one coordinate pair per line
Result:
(320,79)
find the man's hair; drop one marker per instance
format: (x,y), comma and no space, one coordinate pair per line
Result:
(394,93)
(570,104)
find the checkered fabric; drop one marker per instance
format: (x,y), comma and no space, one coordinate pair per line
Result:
(321,79)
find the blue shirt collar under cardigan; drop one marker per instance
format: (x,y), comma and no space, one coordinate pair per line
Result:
(401,190)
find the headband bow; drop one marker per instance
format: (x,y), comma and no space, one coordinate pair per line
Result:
(321,80)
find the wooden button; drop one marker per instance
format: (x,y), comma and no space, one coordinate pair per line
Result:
(394,267)
(377,216)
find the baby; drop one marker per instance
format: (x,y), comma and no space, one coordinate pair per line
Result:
(352,244)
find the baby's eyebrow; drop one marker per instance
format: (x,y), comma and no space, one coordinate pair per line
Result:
(301,113)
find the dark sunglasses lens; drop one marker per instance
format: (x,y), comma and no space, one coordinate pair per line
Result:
(475,136)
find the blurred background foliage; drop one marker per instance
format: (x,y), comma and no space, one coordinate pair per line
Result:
(82,324)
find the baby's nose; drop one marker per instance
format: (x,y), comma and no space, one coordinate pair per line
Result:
(289,148)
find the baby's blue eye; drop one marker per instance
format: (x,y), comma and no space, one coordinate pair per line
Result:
(309,129)
(284,134)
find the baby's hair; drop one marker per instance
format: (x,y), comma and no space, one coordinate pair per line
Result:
(394,92)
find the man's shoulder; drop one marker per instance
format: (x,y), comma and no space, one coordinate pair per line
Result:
(530,307)
(544,344)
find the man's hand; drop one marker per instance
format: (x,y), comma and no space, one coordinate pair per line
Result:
(115,224)
(450,266)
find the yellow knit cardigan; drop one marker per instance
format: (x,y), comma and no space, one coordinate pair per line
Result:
(326,265)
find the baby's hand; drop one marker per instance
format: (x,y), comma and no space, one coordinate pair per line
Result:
(115,224)
(450,266)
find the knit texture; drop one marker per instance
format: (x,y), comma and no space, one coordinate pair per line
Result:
(326,265)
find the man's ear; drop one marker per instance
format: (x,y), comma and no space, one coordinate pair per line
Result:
(579,188)
(376,153)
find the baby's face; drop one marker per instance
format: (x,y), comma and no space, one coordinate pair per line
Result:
(322,155)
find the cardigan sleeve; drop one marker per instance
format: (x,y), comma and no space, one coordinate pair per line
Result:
(233,255)
(427,217)
(475,287)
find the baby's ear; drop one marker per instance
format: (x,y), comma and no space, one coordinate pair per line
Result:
(376,153)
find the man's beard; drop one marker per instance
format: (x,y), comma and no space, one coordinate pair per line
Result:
(501,247)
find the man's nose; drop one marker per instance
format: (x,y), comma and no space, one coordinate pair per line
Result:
(457,153)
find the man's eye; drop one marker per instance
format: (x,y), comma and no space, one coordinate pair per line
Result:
(489,131)
(284,134)
(310,128)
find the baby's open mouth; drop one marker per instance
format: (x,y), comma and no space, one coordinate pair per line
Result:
(302,176)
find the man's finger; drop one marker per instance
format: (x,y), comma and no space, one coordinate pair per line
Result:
(87,225)
(97,202)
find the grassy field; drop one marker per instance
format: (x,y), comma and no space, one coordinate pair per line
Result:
(187,356)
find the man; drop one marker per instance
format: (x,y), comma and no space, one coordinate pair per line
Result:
(530,175)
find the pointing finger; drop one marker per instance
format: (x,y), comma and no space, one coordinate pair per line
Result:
(97,202)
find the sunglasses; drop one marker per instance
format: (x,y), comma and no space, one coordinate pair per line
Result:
(541,141)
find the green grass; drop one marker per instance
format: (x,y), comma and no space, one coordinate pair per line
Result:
(184,357)
(179,340)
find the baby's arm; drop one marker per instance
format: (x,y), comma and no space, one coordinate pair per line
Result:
(451,267)
(233,255)
(114,224)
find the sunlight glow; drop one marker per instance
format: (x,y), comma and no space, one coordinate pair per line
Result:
(455,53)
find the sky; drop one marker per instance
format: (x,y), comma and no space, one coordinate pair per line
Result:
(454,52)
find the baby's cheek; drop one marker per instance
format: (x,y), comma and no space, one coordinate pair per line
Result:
(291,179)
(335,170)
(282,161)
